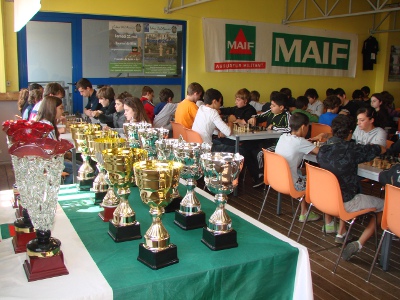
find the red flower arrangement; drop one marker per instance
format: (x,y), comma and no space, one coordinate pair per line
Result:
(43,147)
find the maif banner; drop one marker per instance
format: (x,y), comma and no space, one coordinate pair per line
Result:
(241,46)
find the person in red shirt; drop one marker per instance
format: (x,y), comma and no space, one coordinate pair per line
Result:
(147,100)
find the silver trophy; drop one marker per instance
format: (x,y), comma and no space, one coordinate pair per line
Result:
(148,138)
(190,216)
(131,132)
(221,173)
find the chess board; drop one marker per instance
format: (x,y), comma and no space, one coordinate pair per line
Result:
(247,128)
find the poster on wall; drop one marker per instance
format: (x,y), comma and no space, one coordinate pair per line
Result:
(143,48)
(394,64)
(241,46)
(125,40)
(160,49)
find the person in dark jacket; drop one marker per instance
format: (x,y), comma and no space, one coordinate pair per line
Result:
(117,118)
(341,156)
(106,98)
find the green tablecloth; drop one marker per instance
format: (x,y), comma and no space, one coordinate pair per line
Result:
(261,267)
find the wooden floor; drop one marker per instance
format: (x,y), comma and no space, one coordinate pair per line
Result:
(349,280)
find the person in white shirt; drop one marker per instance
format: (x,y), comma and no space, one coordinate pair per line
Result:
(207,118)
(366,132)
(315,106)
(165,110)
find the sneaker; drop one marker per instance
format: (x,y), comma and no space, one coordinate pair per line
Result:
(350,250)
(259,182)
(329,228)
(311,217)
(339,239)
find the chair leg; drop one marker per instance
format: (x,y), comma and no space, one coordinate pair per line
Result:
(376,231)
(291,198)
(376,255)
(295,214)
(344,245)
(304,224)
(262,206)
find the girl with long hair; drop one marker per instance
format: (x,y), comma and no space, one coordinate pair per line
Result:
(134,110)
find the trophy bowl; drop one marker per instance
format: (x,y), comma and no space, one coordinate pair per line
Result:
(119,164)
(154,179)
(221,173)
(190,215)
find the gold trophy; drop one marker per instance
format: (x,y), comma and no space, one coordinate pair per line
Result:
(85,172)
(100,185)
(154,179)
(221,173)
(165,151)
(190,216)
(119,162)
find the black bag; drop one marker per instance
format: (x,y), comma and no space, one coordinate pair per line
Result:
(390,176)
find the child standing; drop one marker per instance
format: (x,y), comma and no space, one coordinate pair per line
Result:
(293,146)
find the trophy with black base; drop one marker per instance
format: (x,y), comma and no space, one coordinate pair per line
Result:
(165,151)
(119,163)
(221,172)
(154,178)
(190,216)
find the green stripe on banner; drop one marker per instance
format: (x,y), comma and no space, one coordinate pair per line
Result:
(5,232)
(262,266)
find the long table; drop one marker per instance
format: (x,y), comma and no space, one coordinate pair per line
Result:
(266,263)
(253,135)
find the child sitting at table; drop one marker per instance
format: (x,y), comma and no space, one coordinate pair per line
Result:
(331,104)
(277,118)
(301,107)
(293,146)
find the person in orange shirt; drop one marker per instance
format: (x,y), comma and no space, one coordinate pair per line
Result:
(187,108)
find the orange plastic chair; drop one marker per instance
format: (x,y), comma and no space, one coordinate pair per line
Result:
(389,143)
(390,218)
(281,181)
(317,128)
(193,136)
(323,192)
(177,130)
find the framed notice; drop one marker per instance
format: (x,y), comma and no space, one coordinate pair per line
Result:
(143,48)
(394,64)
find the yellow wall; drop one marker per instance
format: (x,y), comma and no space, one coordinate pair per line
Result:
(270,11)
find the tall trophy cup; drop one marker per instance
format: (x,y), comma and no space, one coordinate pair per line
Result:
(221,172)
(165,151)
(22,132)
(85,172)
(43,162)
(190,216)
(119,164)
(97,143)
(154,178)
